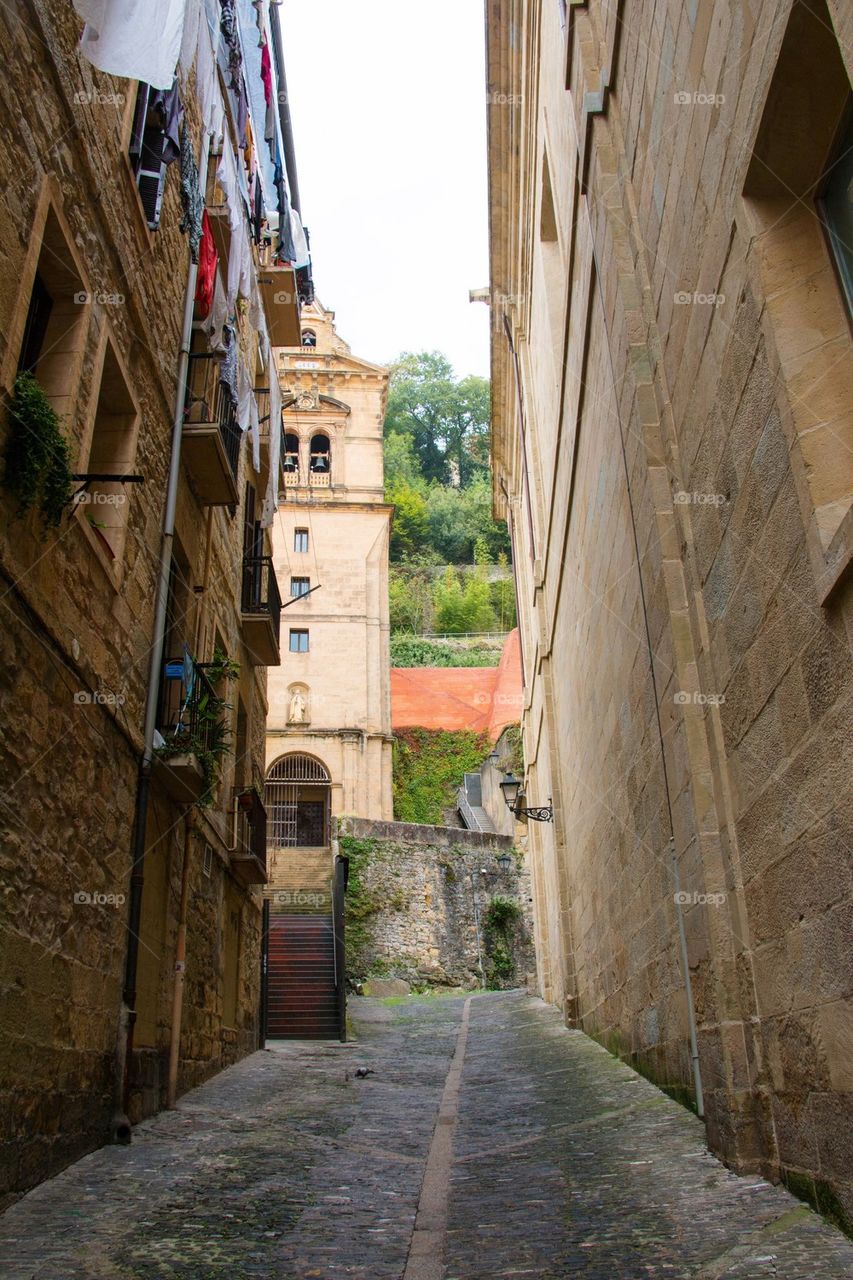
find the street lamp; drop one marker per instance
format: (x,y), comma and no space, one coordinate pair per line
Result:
(511,788)
(504,861)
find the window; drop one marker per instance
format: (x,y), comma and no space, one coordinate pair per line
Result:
(836,204)
(50,325)
(309,338)
(300,586)
(38,315)
(300,540)
(147,151)
(298,641)
(799,227)
(112,451)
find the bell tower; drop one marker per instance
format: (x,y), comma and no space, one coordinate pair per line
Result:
(330,700)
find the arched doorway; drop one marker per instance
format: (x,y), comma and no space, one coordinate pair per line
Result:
(296,798)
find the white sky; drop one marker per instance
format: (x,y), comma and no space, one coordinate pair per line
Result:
(388,100)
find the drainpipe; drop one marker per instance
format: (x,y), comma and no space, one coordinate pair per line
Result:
(121,1124)
(180,966)
(284,116)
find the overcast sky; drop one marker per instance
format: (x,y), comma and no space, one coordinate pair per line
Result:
(388,106)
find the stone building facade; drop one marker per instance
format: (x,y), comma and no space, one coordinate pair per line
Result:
(330,701)
(672,383)
(95,275)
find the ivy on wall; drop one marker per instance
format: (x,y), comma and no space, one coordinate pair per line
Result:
(502,922)
(37,462)
(428,769)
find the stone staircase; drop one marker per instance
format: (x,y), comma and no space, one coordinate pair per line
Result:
(301,976)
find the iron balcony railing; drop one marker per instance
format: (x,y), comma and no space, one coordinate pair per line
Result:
(209,400)
(187,699)
(260,589)
(251,827)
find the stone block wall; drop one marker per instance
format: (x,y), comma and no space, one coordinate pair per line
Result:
(75,634)
(679,495)
(416,898)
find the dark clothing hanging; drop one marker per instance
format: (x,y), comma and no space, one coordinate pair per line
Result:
(167,103)
(228,366)
(191,197)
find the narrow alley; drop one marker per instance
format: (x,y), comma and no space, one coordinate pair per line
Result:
(561,1161)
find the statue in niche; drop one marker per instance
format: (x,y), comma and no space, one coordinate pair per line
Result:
(298,708)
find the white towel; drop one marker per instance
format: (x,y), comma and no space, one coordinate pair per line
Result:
(135,39)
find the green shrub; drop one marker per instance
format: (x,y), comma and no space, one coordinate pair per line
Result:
(38,470)
(428,769)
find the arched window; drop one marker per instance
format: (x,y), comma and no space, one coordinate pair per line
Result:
(309,338)
(296,798)
(321,459)
(291,453)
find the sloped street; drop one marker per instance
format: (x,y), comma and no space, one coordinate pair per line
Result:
(485,1140)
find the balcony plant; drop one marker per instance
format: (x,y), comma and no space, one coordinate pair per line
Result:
(210,738)
(37,470)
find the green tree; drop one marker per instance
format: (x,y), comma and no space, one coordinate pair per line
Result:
(410,530)
(447,421)
(463,608)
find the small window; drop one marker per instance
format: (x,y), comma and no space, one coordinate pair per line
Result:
(300,540)
(309,338)
(300,586)
(298,641)
(836,204)
(147,152)
(112,452)
(38,315)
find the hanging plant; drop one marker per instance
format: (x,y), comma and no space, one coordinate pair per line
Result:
(37,469)
(221,667)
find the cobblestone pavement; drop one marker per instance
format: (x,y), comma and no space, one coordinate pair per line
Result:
(550,1158)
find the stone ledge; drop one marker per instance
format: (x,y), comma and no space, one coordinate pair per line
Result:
(443,837)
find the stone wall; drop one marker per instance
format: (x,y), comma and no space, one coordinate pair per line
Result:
(76,631)
(416,898)
(679,495)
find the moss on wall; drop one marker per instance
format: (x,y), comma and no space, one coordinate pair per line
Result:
(428,769)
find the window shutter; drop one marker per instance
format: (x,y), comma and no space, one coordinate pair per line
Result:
(151,177)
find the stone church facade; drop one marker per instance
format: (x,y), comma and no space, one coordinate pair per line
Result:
(330,701)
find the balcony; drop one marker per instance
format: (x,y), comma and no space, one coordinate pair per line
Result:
(249,855)
(185,729)
(211,436)
(279,291)
(260,611)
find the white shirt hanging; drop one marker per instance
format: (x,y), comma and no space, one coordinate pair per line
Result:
(135,39)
